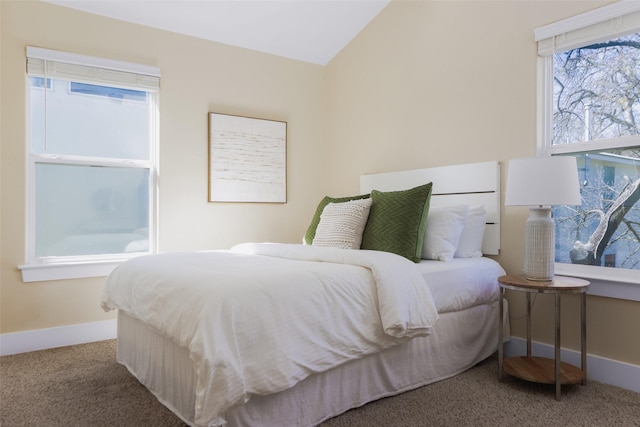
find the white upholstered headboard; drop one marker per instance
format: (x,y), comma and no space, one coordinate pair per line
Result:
(470,184)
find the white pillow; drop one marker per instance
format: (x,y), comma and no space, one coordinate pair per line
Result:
(342,224)
(444,227)
(470,244)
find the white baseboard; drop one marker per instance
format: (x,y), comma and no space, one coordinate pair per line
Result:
(41,339)
(602,369)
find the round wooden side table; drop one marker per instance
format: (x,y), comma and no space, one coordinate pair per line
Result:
(542,369)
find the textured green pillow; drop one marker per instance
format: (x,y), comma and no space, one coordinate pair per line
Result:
(397,221)
(311,231)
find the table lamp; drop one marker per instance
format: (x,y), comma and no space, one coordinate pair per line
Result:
(541,182)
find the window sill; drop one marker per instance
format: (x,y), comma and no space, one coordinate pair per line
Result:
(78,270)
(605,282)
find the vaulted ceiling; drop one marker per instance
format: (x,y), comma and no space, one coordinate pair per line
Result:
(307,30)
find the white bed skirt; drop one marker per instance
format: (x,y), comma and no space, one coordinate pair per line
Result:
(459,341)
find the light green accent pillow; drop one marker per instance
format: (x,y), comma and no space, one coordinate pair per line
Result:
(311,231)
(397,221)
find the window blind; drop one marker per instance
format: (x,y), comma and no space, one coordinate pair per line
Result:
(605,23)
(87,69)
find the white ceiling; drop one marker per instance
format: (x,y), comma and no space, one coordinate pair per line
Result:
(307,30)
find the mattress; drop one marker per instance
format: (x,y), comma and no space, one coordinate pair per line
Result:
(465,290)
(462,282)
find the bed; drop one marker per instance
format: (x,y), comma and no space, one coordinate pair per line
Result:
(346,327)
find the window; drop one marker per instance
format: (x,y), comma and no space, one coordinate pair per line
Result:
(589,108)
(91,164)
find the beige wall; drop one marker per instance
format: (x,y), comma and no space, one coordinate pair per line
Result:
(432,83)
(197,77)
(425,84)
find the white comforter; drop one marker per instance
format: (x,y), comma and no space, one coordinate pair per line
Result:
(261,317)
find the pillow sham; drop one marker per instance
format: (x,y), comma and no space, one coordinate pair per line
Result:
(470,244)
(443,231)
(311,230)
(341,224)
(397,221)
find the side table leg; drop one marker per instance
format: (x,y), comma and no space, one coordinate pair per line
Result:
(557,347)
(528,324)
(500,337)
(583,326)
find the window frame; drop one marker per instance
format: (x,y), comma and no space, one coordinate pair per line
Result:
(38,268)
(615,283)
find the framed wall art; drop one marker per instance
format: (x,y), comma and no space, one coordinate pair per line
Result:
(247,159)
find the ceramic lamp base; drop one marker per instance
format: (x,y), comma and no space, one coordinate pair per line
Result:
(539,251)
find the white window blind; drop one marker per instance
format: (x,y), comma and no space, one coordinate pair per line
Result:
(598,25)
(80,68)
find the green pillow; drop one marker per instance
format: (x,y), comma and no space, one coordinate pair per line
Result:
(311,231)
(397,221)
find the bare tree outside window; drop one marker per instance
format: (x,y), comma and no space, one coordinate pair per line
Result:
(597,97)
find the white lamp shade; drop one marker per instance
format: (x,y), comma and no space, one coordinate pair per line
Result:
(543,181)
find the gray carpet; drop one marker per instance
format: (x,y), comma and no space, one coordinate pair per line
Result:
(84,386)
